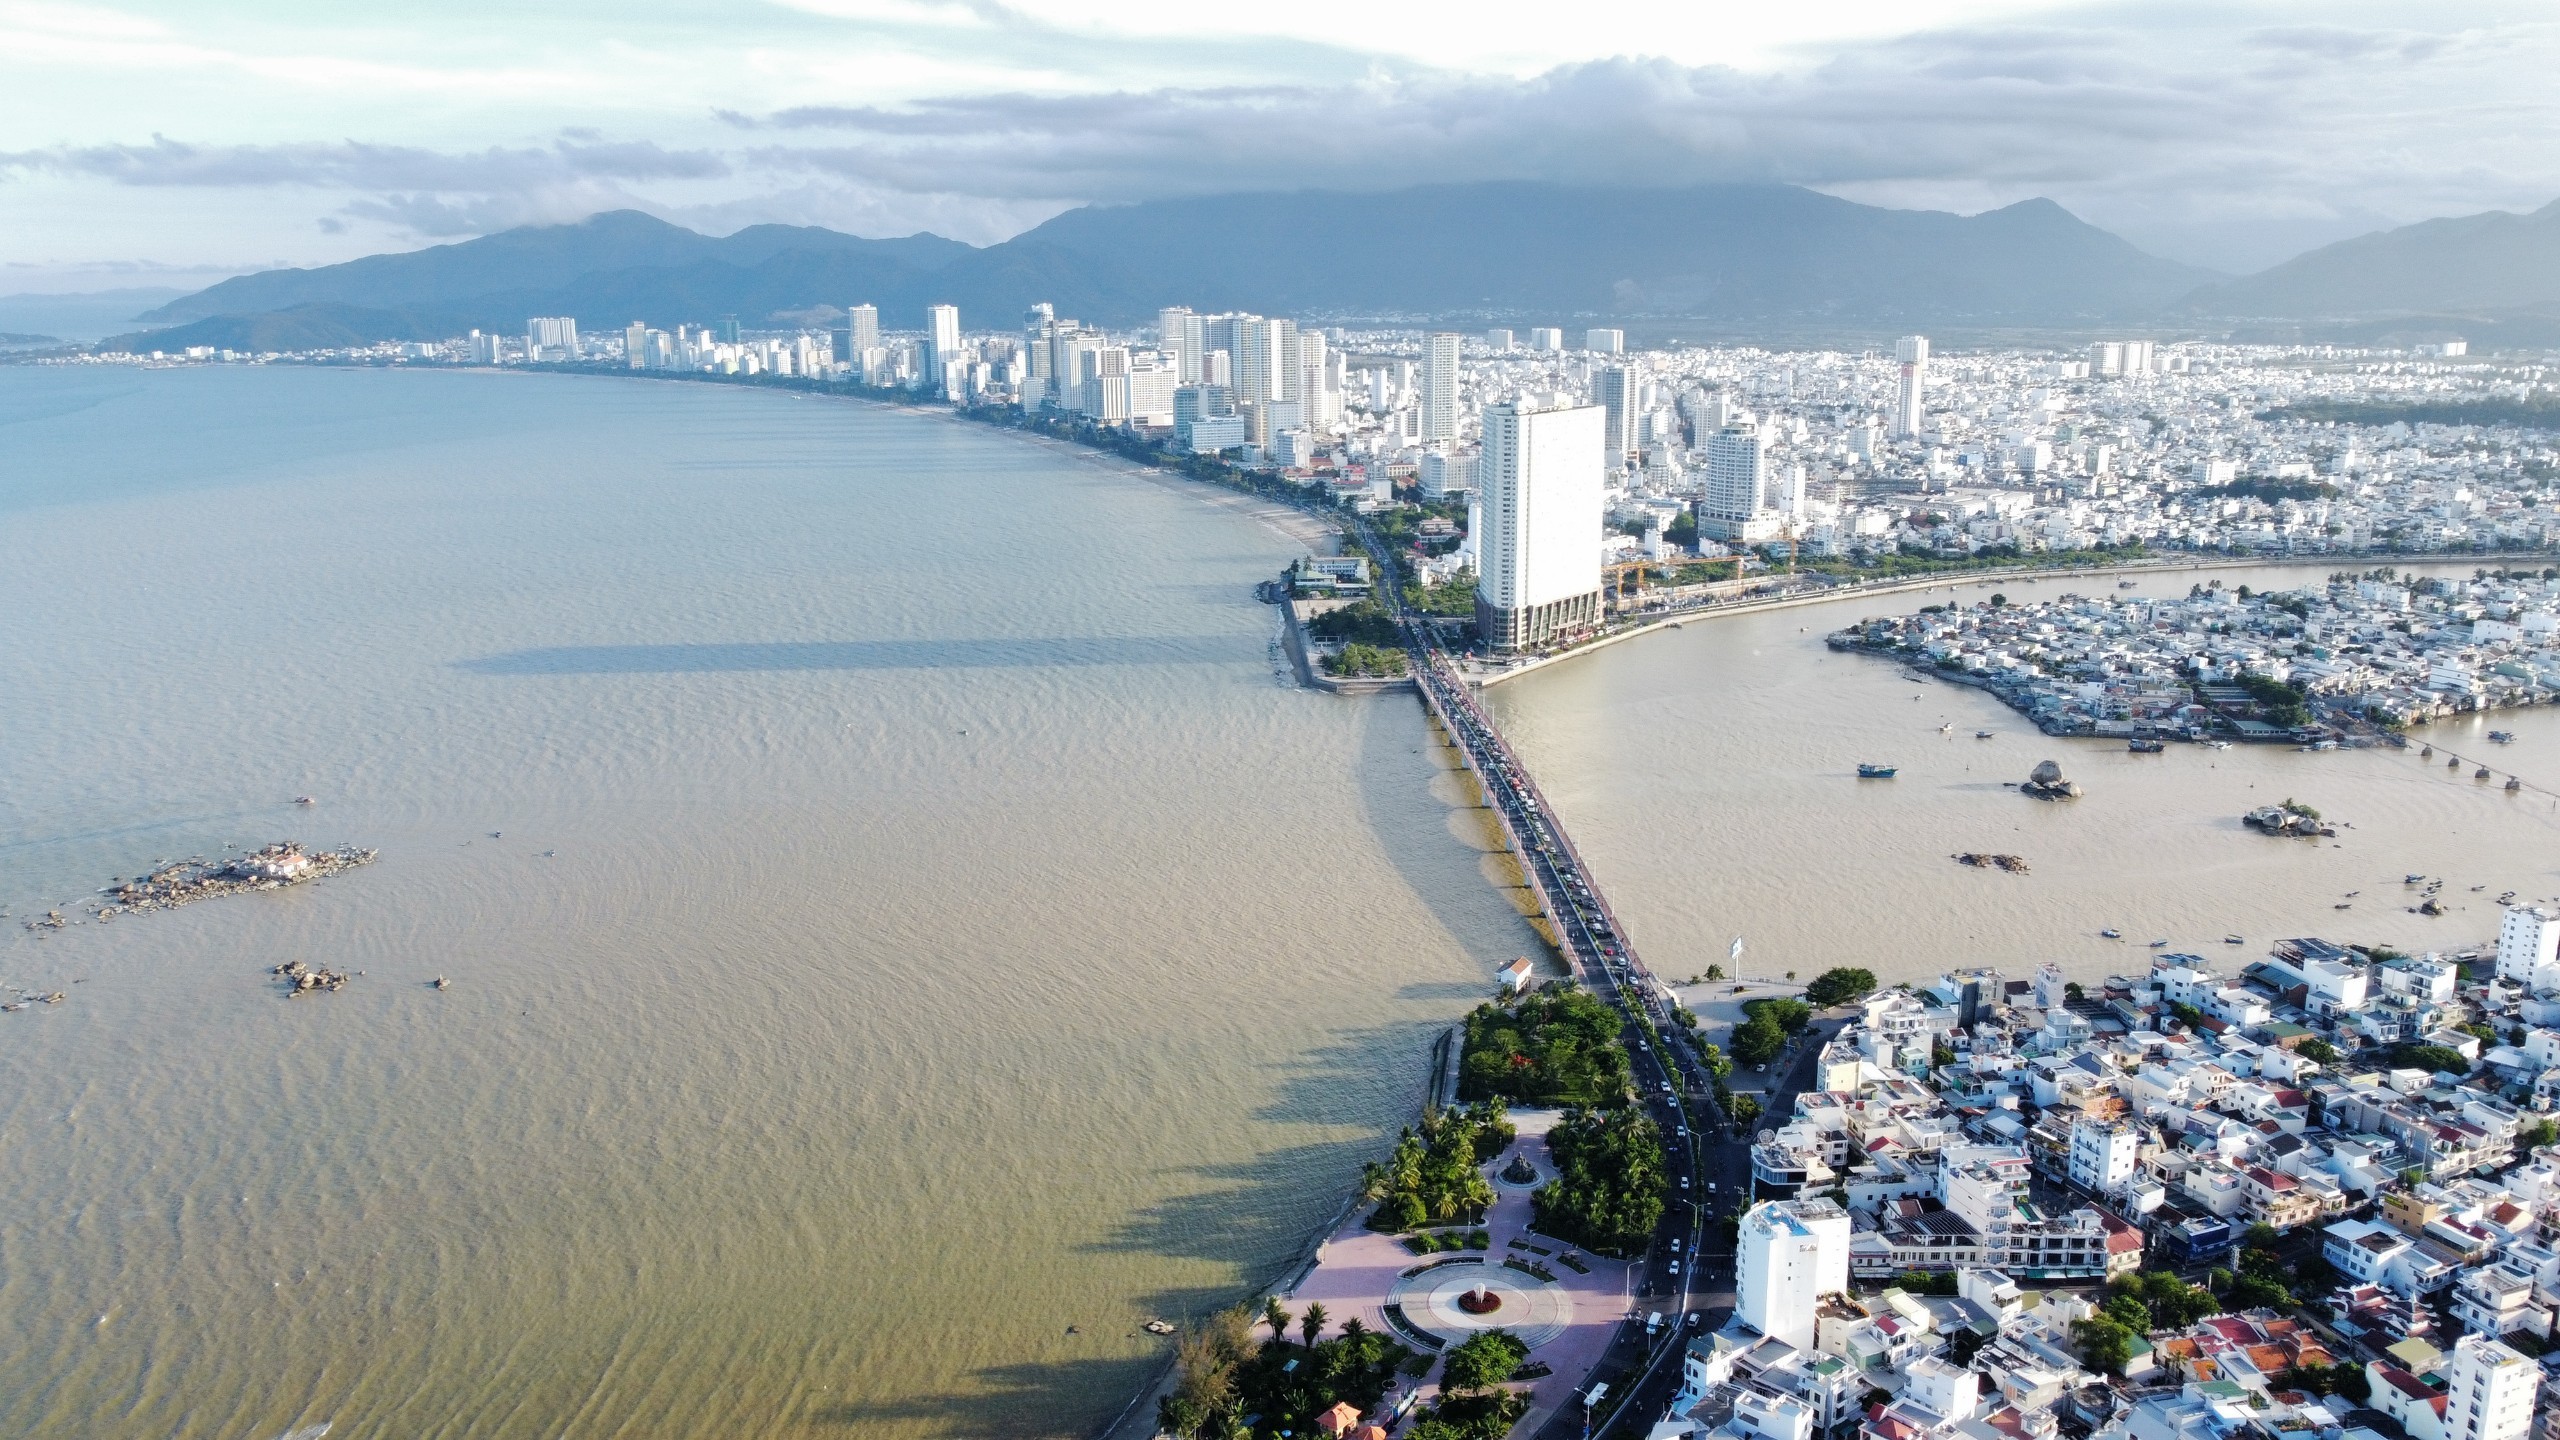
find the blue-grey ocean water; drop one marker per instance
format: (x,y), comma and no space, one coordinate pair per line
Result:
(894,913)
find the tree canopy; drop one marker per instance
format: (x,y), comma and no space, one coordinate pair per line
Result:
(1555,1046)
(1838,986)
(1608,1192)
(2431,1058)
(1432,1178)
(1483,1360)
(1223,1375)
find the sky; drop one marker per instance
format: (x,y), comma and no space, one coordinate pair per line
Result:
(153,143)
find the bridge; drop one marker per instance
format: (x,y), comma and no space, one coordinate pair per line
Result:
(1668,1068)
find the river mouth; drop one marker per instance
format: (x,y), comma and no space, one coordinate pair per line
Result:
(1707,774)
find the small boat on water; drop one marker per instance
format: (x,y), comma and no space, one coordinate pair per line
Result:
(2124,584)
(1981,734)
(2217,744)
(2159,944)
(304,800)
(2112,934)
(1875,772)
(1947,729)
(2411,879)
(2146,747)
(2233,940)
(2502,737)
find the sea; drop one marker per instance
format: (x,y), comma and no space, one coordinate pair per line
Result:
(903,928)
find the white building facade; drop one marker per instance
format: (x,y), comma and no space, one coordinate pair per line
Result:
(1539,476)
(1789,1255)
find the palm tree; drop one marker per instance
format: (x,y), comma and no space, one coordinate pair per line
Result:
(1311,1324)
(1276,1315)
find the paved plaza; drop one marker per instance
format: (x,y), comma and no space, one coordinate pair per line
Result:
(1567,1321)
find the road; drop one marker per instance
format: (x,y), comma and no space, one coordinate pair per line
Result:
(1690,1285)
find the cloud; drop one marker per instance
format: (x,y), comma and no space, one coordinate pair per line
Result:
(2216,123)
(356,165)
(2135,127)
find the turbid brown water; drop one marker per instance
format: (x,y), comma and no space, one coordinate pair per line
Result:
(903,931)
(1709,775)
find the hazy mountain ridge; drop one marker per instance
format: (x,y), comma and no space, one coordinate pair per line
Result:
(2492,262)
(1507,251)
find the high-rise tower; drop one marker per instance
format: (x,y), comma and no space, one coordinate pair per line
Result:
(1913,352)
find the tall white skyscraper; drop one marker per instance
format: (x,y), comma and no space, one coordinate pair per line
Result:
(1178,335)
(1498,339)
(863,321)
(2490,1391)
(635,346)
(551,337)
(942,340)
(1439,388)
(1547,338)
(1607,342)
(1616,389)
(1789,1255)
(1913,352)
(1266,370)
(1737,482)
(1319,397)
(1539,547)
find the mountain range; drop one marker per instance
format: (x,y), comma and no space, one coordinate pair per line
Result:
(1776,256)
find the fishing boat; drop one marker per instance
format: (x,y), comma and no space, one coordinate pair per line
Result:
(2159,944)
(2217,744)
(2112,934)
(1875,772)
(2502,737)
(2145,747)
(1981,734)
(2233,940)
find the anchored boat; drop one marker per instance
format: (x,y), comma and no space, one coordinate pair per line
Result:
(1875,772)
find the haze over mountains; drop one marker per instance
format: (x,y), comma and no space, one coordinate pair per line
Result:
(1502,252)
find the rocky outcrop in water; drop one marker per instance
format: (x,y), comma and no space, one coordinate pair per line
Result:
(302,979)
(2046,782)
(2014,865)
(270,867)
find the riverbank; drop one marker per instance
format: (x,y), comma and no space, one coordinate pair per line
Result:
(1481,674)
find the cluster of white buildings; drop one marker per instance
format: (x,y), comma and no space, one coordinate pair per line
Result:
(1586,454)
(2035,1140)
(2378,648)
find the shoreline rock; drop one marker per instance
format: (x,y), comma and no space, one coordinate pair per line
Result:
(270,867)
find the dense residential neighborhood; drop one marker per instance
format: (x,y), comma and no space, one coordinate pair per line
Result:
(2313,1196)
(2351,655)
